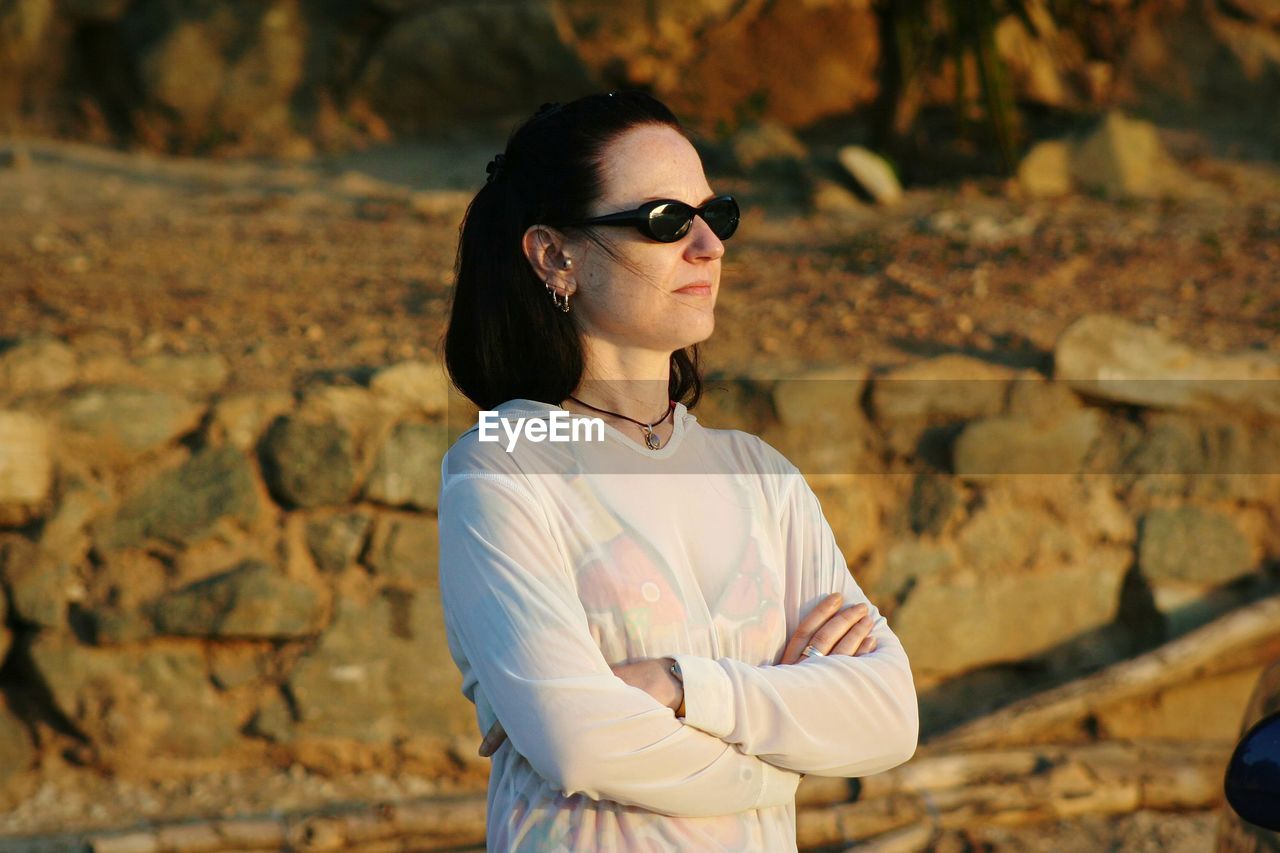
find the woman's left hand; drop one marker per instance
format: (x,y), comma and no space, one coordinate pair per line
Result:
(653,676)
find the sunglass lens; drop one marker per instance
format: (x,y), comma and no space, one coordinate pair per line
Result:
(722,215)
(669,222)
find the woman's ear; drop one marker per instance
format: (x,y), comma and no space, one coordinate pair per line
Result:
(544,248)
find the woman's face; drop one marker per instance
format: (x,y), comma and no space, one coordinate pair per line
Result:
(666,300)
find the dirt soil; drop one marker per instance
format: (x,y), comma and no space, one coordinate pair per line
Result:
(287,268)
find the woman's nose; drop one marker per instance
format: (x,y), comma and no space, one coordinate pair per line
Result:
(705,243)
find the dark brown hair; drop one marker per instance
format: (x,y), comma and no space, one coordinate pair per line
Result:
(505,339)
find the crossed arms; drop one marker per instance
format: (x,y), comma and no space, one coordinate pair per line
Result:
(518,630)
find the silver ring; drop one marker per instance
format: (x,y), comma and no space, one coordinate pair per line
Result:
(811,652)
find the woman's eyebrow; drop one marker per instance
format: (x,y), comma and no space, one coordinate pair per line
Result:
(669,197)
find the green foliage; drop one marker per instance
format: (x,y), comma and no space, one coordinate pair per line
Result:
(924,37)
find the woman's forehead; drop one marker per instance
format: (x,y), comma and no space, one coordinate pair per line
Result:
(652,161)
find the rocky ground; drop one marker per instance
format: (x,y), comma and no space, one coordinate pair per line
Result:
(290,268)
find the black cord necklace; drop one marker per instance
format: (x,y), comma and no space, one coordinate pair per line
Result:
(651,439)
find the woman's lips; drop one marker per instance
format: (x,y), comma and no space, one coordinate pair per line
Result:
(698,288)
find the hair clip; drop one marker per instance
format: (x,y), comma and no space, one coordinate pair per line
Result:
(494,167)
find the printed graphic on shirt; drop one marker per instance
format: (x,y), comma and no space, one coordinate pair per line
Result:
(748,614)
(631,597)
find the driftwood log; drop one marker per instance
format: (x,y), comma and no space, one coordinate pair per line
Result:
(1020,786)
(987,771)
(1247,637)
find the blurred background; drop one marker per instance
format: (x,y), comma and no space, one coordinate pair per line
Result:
(1005,289)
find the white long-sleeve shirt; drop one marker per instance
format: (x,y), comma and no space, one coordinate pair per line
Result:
(560,559)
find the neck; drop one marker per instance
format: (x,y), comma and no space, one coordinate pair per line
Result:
(634,384)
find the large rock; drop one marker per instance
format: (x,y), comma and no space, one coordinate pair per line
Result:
(119,424)
(336,540)
(136,705)
(1122,157)
(1033,398)
(405,550)
(1192,544)
(511,55)
(382,670)
(1241,459)
(1001,446)
(194,374)
(910,562)
(211,69)
(807,60)
(944,391)
(240,418)
(35,366)
(26,467)
(955,624)
(187,502)
(81,498)
(1045,170)
(821,427)
(1113,359)
(40,584)
(1204,457)
(17,752)
(764,143)
(1009,537)
(419,384)
(953,387)
(308,463)
(407,469)
(1201,57)
(827,397)
(248,601)
(122,586)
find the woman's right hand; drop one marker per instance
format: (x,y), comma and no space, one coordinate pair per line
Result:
(831,631)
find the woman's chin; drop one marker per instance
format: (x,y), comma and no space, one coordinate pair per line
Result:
(700,332)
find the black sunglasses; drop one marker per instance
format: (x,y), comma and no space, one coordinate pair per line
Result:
(667,220)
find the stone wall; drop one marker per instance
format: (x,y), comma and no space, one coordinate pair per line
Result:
(288,77)
(196,576)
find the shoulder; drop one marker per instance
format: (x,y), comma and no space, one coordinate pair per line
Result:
(750,451)
(754,461)
(483,458)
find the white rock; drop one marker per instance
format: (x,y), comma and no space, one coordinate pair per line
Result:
(1111,358)
(422,384)
(1045,172)
(872,172)
(1122,157)
(26,465)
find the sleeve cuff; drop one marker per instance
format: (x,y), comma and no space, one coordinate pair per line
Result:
(708,695)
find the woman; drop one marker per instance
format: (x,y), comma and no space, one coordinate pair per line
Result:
(650,623)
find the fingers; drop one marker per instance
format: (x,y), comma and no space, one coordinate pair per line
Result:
(497,734)
(810,623)
(835,628)
(857,640)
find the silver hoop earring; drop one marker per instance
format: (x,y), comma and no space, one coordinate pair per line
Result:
(557,298)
